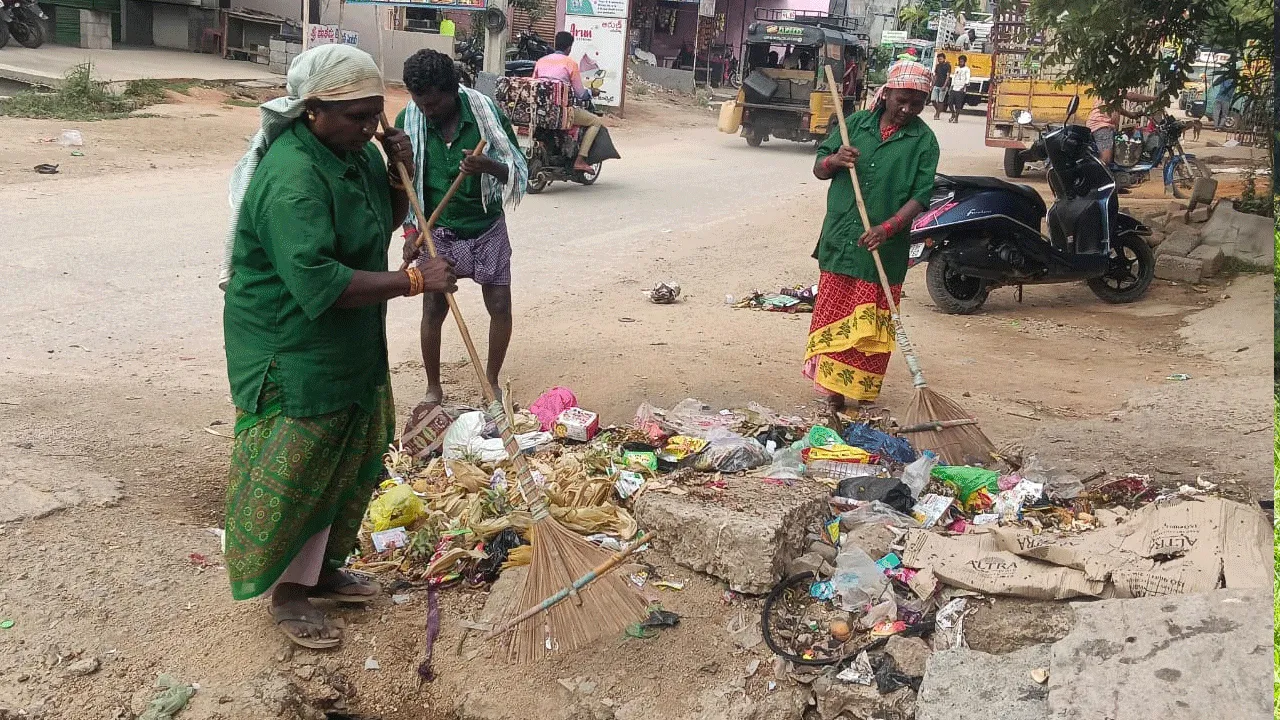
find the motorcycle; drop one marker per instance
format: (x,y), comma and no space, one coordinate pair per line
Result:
(24,21)
(552,153)
(469,57)
(981,233)
(1139,152)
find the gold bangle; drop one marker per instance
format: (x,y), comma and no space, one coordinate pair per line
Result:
(415,281)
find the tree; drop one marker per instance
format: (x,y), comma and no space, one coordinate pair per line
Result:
(912,15)
(1118,46)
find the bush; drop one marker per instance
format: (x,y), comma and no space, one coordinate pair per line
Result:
(83,98)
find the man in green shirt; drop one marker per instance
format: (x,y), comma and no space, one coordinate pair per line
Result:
(445,123)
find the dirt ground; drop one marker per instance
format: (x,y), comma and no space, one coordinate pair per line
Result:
(113,374)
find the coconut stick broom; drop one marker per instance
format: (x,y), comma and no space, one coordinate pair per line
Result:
(935,418)
(559,555)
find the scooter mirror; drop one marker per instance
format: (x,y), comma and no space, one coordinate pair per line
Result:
(1072,106)
(1023,117)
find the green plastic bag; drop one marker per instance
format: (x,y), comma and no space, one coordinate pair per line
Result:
(968,480)
(823,436)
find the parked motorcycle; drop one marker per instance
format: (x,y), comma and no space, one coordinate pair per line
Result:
(552,154)
(24,21)
(981,233)
(469,57)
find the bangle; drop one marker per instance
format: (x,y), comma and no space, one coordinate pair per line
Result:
(415,281)
(826,164)
(887,226)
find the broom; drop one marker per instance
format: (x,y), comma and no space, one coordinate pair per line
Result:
(559,555)
(940,424)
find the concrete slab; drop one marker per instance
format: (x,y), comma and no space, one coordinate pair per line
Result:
(49,64)
(745,536)
(971,685)
(1252,237)
(1179,269)
(1186,657)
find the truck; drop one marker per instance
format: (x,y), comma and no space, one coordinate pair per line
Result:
(1019,82)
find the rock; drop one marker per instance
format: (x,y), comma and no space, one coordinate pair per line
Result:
(827,552)
(1178,269)
(910,654)
(1199,215)
(1156,238)
(1242,236)
(1173,657)
(80,668)
(1181,242)
(836,698)
(1211,259)
(808,563)
(1177,211)
(306,672)
(971,685)
(749,550)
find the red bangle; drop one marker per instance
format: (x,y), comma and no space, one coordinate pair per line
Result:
(887,227)
(826,163)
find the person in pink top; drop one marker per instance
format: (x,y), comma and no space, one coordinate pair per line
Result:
(559,66)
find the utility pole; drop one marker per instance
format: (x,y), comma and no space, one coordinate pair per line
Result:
(495,43)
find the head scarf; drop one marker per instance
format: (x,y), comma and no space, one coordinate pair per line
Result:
(908,75)
(329,72)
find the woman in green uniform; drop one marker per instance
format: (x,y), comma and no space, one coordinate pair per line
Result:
(306,286)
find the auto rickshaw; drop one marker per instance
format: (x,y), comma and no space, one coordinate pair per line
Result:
(784,90)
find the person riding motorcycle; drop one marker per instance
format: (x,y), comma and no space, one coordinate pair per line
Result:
(559,66)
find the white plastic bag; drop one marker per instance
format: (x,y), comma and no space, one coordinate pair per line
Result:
(857,580)
(916,475)
(730,452)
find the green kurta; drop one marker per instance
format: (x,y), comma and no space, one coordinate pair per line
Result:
(891,173)
(466,214)
(309,220)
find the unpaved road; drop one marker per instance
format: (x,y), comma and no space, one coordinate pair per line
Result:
(113,369)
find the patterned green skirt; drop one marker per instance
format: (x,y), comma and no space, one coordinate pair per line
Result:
(293,477)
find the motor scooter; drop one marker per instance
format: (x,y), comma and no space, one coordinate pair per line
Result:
(24,21)
(551,155)
(981,233)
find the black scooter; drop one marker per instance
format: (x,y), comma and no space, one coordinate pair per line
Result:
(981,233)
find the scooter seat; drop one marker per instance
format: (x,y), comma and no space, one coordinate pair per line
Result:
(982,182)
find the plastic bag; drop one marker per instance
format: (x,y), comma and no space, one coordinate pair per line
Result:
(916,475)
(497,548)
(646,420)
(397,507)
(876,512)
(1059,485)
(692,417)
(465,440)
(822,436)
(730,452)
(551,403)
(968,480)
(787,465)
(858,580)
(868,438)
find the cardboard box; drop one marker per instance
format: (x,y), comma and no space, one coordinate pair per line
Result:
(424,432)
(577,424)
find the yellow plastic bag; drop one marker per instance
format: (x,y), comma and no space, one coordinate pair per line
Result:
(730,117)
(397,507)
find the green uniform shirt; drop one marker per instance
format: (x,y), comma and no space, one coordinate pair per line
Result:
(891,173)
(465,214)
(309,220)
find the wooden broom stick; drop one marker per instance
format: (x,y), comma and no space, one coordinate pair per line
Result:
(908,354)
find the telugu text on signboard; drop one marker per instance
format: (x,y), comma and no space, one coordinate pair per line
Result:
(328,35)
(600,47)
(597,8)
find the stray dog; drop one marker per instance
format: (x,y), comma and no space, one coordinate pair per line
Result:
(1196,127)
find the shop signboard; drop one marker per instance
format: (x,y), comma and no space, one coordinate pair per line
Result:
(600,47)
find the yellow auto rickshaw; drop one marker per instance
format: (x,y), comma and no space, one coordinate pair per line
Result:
(784,90)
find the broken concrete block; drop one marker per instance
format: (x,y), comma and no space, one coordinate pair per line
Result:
(750,548)
(1211,259)
(1177,211)
(810,562)
(909,654)
(1178,269)
(1181,242)
(971,685)
(1251,236)
(1155,238)
(1204,190)
(839,699)
(1173,657)
(1200,215)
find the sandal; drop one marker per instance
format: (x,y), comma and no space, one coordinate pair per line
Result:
(333,589)
(317,623)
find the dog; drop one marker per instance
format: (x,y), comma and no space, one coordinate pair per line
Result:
(1196,127)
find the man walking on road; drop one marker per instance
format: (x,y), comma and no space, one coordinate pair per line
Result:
(959,83)
(559,66)
(1222,104)
(941,80)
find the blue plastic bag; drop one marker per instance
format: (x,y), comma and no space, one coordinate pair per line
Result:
(868,438)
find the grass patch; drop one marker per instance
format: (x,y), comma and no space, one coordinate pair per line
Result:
(238,102)
(83,98)
(1236,266)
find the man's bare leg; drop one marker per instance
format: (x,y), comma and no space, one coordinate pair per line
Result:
(435,308)
(497,300)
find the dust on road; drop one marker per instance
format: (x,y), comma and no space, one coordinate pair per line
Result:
(114,373)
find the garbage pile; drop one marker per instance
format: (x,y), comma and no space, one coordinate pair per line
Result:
(911,546)
(795,299)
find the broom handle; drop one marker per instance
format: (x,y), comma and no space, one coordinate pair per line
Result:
(917,375)
(593,574)
(537,498)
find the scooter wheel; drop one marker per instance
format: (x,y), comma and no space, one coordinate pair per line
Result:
(953,293)
(1129,273)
